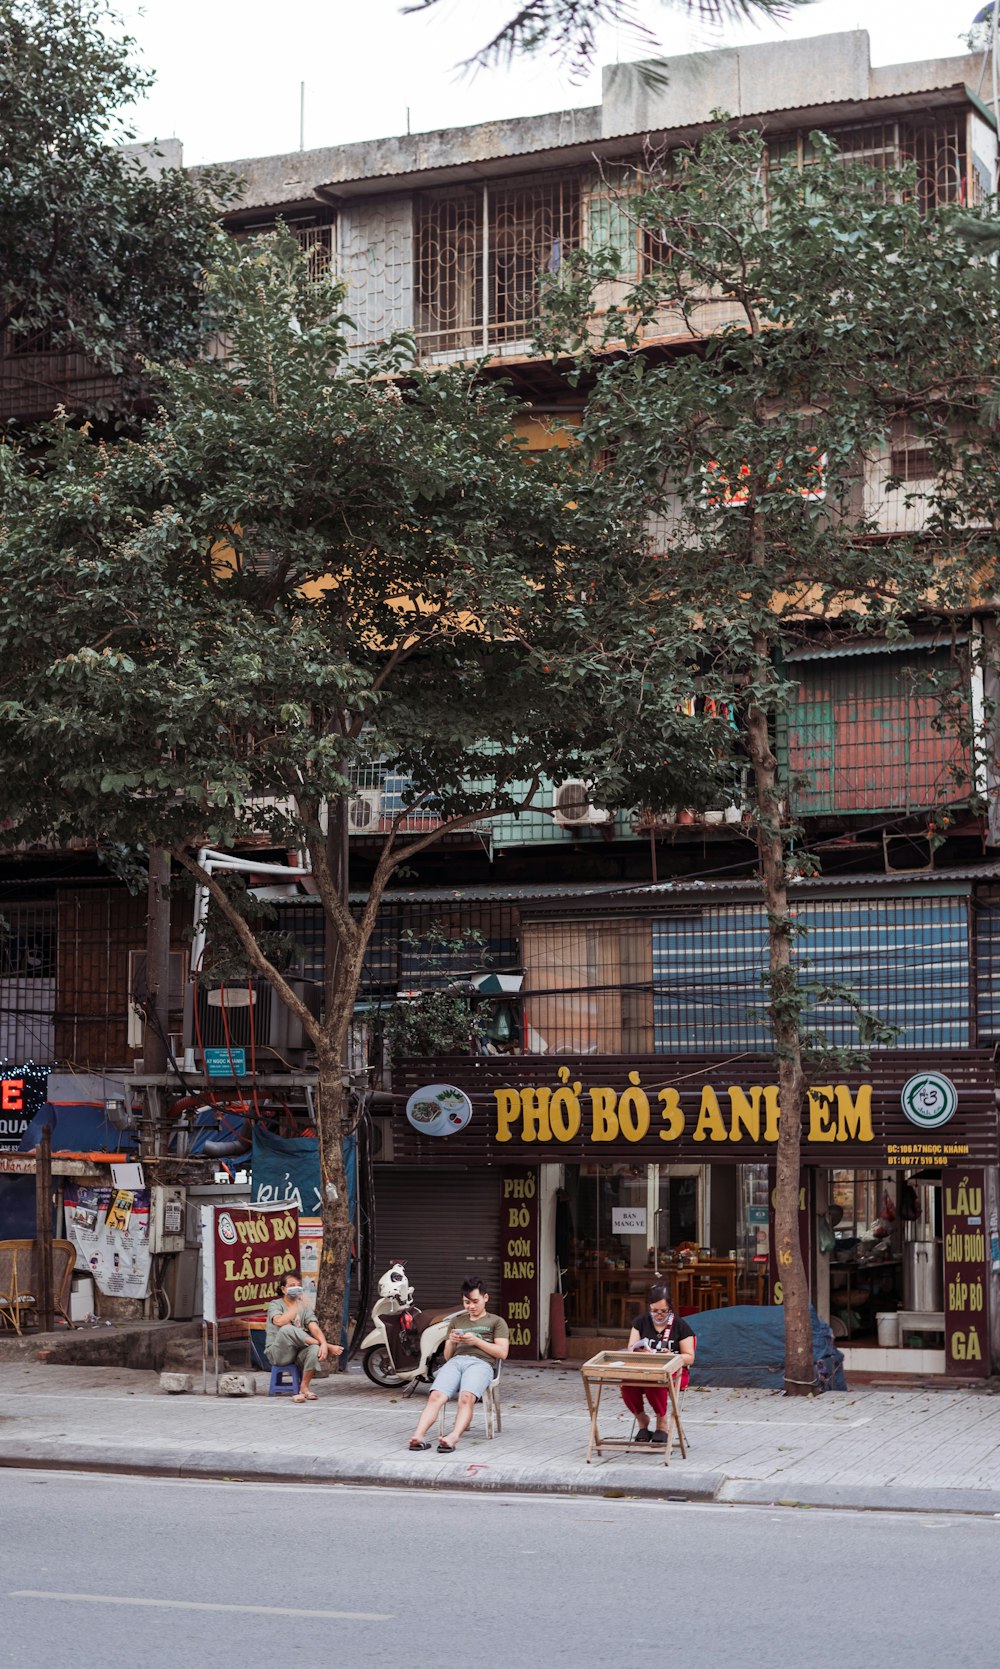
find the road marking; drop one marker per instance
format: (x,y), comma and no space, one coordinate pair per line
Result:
(204,1605)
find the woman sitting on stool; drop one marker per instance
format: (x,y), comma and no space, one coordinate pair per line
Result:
(658,1330)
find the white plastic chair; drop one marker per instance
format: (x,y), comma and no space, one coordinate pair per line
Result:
(492,1412)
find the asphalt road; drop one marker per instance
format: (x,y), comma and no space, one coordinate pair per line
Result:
(100,1570)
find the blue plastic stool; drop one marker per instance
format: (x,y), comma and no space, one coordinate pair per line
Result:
(285,1381)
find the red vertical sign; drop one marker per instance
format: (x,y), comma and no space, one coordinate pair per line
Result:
(519,1254)
(963,1228)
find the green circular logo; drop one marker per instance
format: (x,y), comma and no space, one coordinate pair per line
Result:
(929,1099)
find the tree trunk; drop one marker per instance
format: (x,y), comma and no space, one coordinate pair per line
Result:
(154,1037)
(338,1230)
(785,1009)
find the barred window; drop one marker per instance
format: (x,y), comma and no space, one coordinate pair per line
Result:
(937,147)
(483,253)
(693,981)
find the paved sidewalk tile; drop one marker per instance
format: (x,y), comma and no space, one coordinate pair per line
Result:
(902,1449)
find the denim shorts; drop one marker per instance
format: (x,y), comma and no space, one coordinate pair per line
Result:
(463,1373)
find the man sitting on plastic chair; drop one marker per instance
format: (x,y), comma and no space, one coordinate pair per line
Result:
(475,1343)
(660,1330)
(294,1336)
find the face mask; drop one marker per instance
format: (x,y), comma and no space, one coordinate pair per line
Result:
(293,1292)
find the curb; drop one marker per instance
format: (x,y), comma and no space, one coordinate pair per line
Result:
(862,1497)
(479,1476)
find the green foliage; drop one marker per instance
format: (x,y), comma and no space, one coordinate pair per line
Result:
(96,255)
(302,573)
(431,1023)
(825,314)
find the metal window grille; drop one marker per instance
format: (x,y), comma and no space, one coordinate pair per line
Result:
(937,147)
(317,241)
(939,150)
(317,236)
(532,227)
(481,255)
(905,959)
(449,269)
(588,987)
(692,982)
(27,981)
(987,928)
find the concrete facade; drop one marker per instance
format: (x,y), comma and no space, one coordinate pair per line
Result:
(830,77)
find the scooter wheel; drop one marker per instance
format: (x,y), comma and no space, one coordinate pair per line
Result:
(378,1365)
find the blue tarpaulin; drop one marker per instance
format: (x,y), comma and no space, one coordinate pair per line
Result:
(77,1127)
(286,1170)
(745,1345)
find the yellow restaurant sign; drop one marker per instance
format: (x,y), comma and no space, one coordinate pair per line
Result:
(835,1113)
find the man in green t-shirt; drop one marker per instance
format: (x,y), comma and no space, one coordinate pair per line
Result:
(294,1335)
(475,1344)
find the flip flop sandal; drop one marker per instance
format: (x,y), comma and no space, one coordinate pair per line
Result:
(643,1435)
(446,1448)
(415,1445)
(660,1437)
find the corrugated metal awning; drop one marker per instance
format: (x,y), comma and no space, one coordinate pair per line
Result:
(684,887)
(874,646)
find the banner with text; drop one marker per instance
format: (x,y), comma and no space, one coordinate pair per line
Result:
(245,1250)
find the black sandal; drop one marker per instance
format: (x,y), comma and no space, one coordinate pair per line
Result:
(446,1448)
(416,1444)
(643,1435)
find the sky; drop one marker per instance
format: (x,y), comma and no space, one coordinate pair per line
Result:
(229,72)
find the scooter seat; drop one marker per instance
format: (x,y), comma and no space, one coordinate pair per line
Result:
(424,1321)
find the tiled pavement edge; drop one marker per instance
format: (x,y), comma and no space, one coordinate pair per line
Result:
(928,1451)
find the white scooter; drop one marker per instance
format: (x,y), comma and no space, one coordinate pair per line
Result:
(401,1348)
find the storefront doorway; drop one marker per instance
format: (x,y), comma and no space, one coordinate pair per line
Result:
(701,1228)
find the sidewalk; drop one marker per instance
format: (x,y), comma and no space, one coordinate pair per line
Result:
(928,1451)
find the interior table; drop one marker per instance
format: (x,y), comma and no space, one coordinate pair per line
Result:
(628,1367)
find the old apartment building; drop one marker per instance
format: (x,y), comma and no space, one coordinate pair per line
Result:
(631,946)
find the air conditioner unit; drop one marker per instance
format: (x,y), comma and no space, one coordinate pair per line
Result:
(574,808)
(382,1147)
(254,1017)
(364,810)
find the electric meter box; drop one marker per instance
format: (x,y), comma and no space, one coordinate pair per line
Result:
(167,1219)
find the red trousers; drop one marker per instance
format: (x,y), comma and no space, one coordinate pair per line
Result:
(656,1395)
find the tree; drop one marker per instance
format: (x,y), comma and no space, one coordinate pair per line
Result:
(303,570)
(96,254)
(823,312)
(568,28)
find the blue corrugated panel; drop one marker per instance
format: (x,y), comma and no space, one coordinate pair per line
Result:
(906,960)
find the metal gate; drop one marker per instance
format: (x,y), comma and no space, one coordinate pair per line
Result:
(445,1226)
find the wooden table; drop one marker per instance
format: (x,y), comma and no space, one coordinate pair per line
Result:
(627,1367)
(723,1270)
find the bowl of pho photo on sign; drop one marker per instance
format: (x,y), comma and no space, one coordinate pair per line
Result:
(439,1110)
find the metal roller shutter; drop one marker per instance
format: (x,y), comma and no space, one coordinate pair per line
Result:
(444,1225)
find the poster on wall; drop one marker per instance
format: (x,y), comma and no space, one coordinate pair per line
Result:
(245,1251)
(22,1091)
(110,1229)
